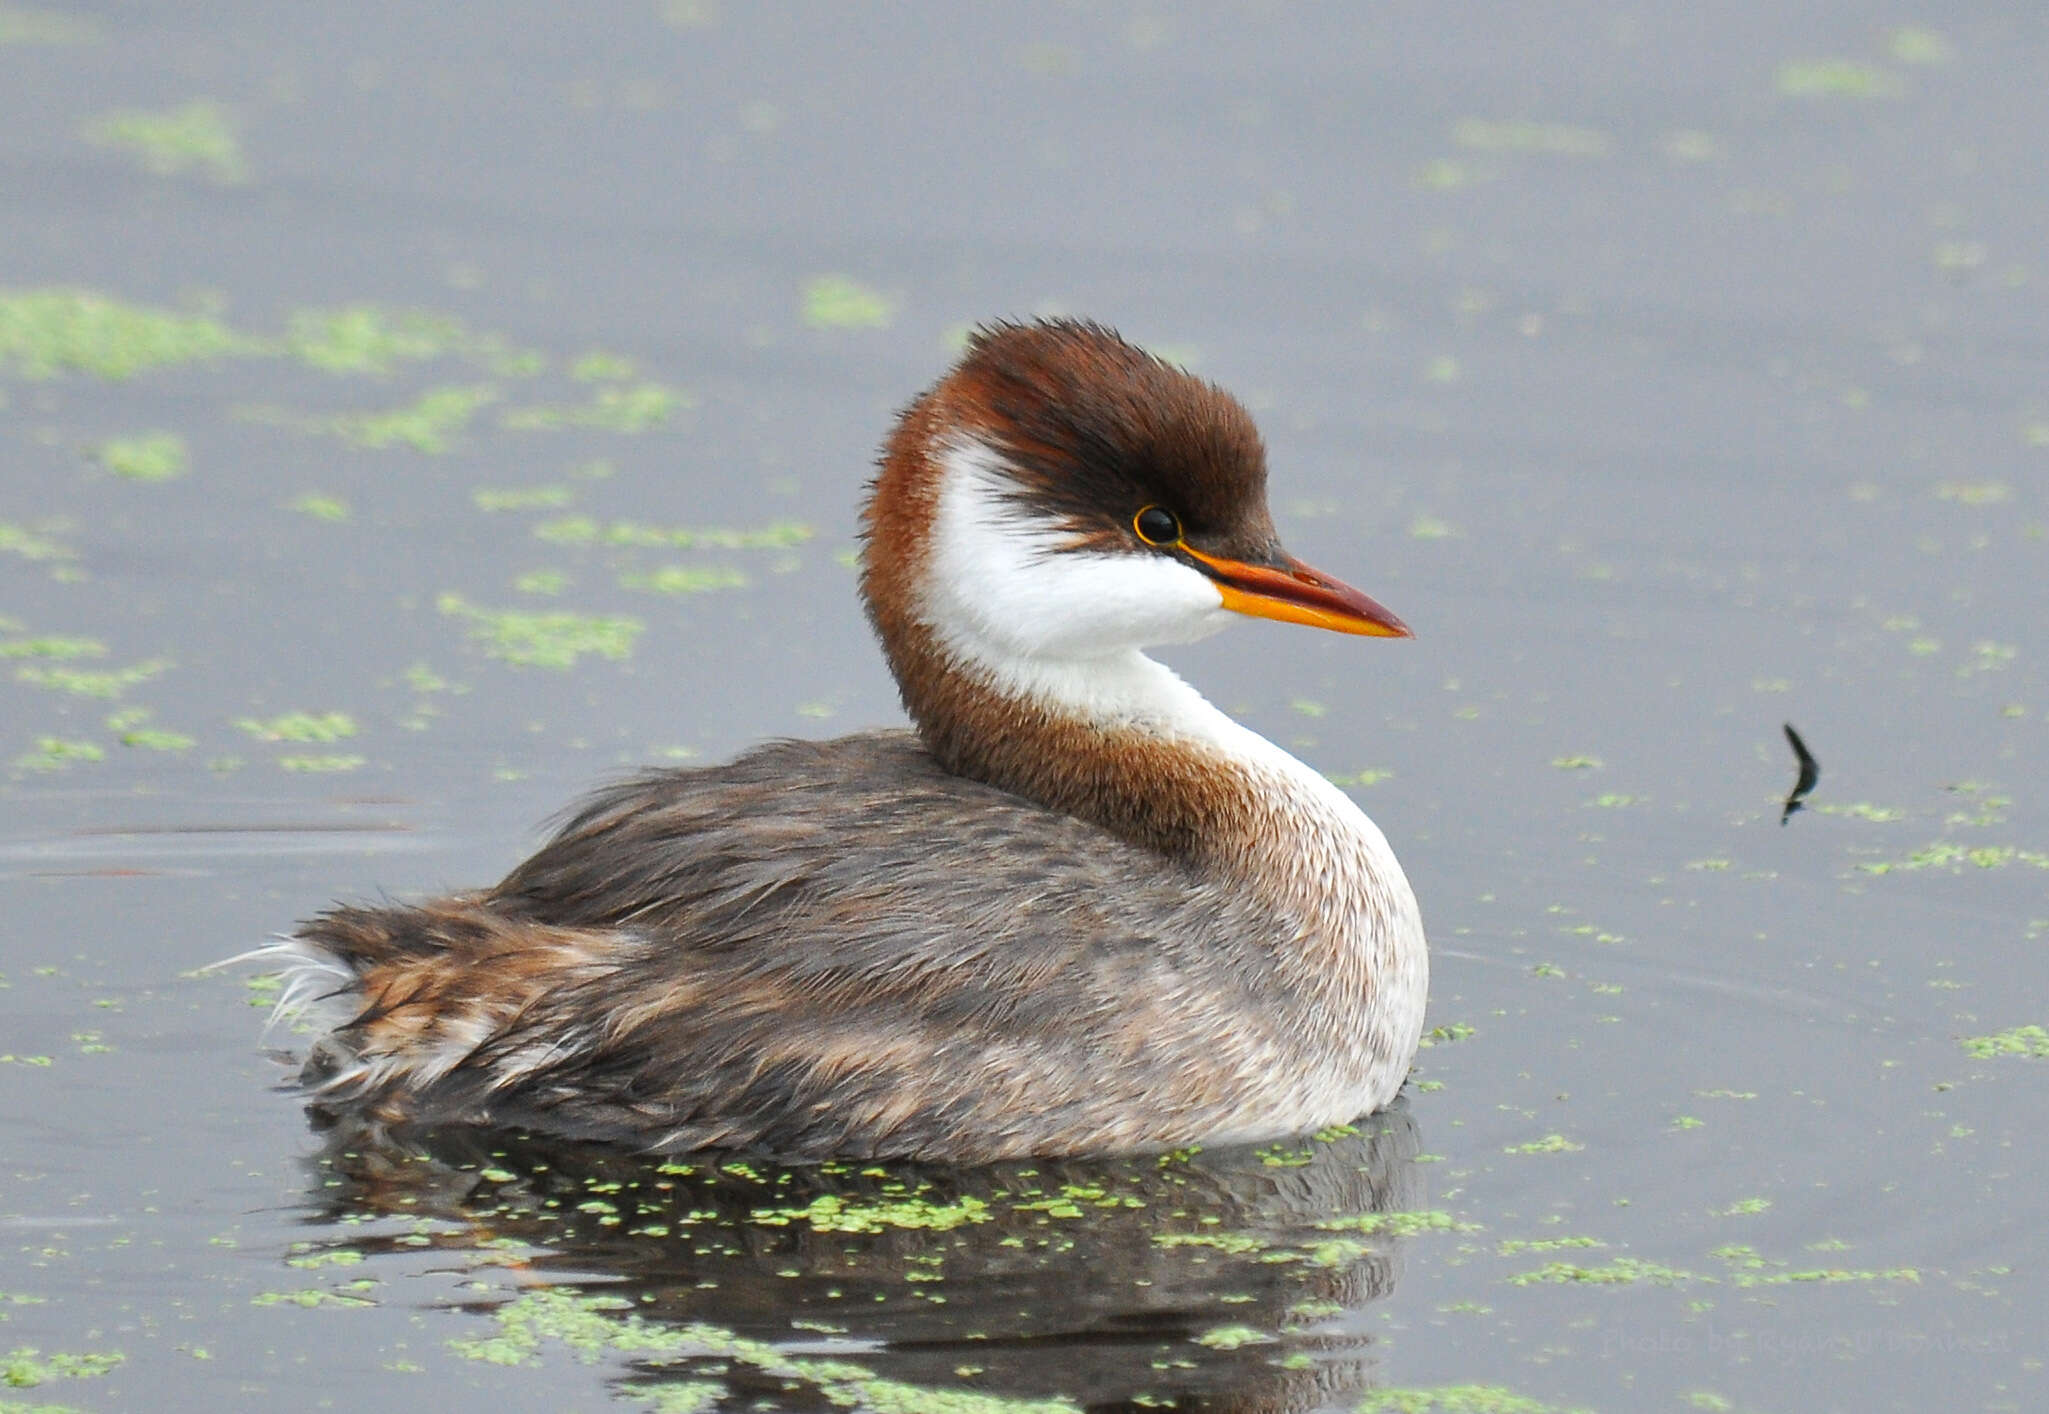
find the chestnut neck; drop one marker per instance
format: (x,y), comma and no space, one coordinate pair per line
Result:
(1141,781)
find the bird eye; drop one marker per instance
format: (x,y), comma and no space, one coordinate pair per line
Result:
(1156,525)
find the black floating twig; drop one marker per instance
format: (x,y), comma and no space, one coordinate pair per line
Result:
(1810,772)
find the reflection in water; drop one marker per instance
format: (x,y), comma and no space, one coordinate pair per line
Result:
(1226,1279)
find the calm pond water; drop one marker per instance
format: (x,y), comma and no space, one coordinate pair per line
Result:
(413,414)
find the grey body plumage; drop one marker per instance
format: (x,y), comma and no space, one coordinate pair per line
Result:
(866,929)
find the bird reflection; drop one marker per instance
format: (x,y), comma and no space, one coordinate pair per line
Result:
(1232,1278)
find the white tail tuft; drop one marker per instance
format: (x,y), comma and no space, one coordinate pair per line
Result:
(319,989)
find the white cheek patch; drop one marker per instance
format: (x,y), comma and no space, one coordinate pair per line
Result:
(1004,586)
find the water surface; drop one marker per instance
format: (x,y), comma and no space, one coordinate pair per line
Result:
(413,416)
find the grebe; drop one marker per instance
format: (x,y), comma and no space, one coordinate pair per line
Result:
(1079,910)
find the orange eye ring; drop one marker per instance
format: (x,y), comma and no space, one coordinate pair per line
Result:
(1157,526)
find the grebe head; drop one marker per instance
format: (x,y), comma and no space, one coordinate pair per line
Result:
(1062,496)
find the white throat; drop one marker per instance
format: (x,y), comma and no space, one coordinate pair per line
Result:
(1061,627)
(1065,629)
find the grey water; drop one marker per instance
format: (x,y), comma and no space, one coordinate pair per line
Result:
(414,414)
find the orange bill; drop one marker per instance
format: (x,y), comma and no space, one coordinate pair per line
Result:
(1294,593)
